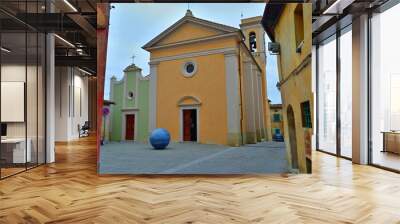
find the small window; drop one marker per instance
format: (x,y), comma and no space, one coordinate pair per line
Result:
(306,114)
(131,95)
(253,41)
(277,117)
(277,131)
(299,27)
(189,69)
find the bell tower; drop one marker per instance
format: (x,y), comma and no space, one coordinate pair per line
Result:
(254,38)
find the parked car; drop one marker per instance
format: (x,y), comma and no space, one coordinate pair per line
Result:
(278,137)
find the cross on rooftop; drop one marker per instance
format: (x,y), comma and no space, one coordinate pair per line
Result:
(133,59)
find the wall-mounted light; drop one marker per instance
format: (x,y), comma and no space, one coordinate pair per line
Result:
(274,48)
(5,50)
(70,5)
(84,71)
(65,41)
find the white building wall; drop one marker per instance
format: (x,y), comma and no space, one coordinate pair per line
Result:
(71,103)
(61,103)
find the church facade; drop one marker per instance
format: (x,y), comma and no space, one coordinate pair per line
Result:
(129,117)
(207,82)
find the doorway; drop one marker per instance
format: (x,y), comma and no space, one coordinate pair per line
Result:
(292,137)
(190,125)
(130,127)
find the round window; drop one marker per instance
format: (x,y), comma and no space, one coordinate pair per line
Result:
(131,95)
(189,69)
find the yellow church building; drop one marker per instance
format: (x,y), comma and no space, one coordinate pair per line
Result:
(208,83)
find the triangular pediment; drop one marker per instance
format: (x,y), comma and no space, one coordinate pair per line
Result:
(188,31)
(189,101)
(189,28)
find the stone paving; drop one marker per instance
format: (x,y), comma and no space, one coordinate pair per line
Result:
(193,158)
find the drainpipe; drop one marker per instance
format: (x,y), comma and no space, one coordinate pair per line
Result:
(240,93)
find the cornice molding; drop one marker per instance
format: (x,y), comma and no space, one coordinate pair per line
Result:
(306,61)
(186,19)
(191,55)
(193,41)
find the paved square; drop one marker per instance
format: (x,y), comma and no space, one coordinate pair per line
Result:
(193,158)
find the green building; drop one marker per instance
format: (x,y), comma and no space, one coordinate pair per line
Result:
(129,120)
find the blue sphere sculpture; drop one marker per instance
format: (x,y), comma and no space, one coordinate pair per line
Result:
(159,138)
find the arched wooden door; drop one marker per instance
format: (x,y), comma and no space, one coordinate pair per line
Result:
(292,137)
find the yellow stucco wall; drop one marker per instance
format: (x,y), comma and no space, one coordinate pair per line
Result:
(194,47)
(258,33)
(263,132)
(187,31)
(267,112)
(275,124)
(247,133)
(261,61)
(208,85)
(296,88)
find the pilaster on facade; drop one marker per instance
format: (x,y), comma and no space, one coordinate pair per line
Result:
(261,106)
(136,90)
(256,100)
(124,81)
(153,96)
(232,97)
(251,137)
(111,107)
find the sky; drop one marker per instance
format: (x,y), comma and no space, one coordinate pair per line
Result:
(132,25)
